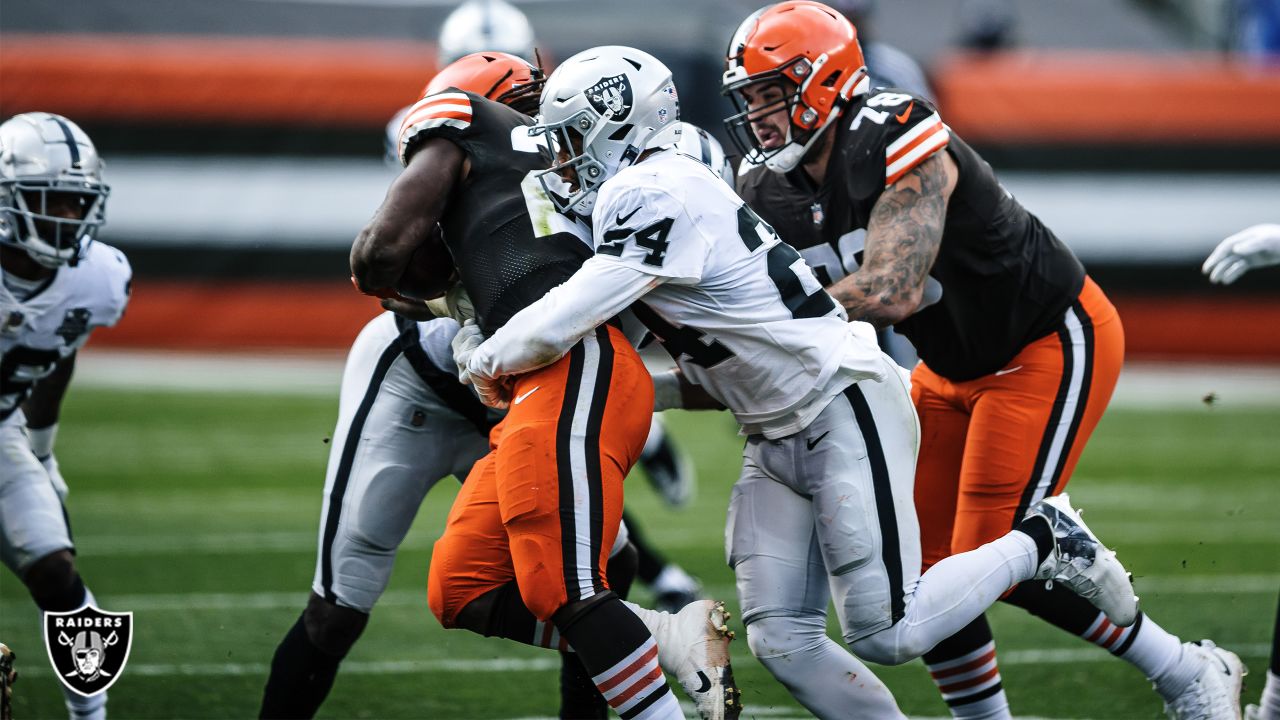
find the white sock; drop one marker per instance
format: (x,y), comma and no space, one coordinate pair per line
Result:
(971,685)
(1153,650)
(1269,704)
(950,595)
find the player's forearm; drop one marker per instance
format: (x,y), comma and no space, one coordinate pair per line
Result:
(543,332)
(44,404)
(903,237)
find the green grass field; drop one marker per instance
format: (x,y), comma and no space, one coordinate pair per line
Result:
(198,512)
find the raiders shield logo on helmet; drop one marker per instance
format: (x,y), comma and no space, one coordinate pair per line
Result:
(88,647)
(611,95)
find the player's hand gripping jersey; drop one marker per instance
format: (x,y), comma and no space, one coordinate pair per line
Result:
(1001,278)
(56,321)
(507,242)
(739,309)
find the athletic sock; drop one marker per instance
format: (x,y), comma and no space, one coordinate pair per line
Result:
(1144,644)
(1038,529)
(301,676)
(964,668)
(622,657)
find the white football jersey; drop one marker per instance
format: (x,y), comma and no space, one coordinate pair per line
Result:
(739,309)
(55,322)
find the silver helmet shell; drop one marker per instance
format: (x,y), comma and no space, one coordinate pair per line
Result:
(48,162)
(600,109)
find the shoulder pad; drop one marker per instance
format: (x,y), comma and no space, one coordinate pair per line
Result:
(446,113)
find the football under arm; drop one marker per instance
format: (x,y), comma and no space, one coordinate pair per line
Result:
(544,331)
(415,202)
(903,236)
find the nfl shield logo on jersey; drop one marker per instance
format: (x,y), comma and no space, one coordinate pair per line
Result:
(611,95)
(88,647)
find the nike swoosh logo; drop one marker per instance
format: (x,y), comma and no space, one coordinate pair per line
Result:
(814,442)
(1006,371)
(622,219)
(706,682)
(520,398)
(902,117)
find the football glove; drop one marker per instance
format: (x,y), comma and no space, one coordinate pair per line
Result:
(1253,247)
(464,344)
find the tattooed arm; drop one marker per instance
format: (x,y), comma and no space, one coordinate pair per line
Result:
(903,235)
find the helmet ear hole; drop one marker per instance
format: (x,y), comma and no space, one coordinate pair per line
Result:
(831,79)
(621,133)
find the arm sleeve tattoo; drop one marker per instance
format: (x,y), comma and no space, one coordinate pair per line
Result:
(903,236)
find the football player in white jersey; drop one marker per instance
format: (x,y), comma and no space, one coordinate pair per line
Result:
(56,285)
(823,509)
(1254,247)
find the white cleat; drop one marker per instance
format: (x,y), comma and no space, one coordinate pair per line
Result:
(1083,564)
(1215,693)
(693,645)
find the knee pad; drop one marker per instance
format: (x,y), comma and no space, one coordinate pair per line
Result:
(54,583)
(331,627)
(777,636)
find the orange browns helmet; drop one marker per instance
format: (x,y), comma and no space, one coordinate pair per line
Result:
(499,76)
(815,49)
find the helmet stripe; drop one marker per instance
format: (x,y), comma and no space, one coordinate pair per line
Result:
(71,140)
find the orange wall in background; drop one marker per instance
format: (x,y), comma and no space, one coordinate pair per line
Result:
(1095,97)
(213,79)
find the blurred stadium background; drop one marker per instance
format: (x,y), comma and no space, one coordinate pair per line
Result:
(243,141)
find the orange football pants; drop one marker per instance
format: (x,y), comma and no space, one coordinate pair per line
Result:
(992,447)
(543,507)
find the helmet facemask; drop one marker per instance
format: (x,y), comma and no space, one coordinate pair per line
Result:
(805,125)
(52,220)
(576,170)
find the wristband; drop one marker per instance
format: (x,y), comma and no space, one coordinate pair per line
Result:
(41,440)
(666,391)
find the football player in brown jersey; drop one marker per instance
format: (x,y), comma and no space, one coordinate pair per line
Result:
(1020,350)
(526,545)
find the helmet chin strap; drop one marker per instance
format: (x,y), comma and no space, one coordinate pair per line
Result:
(786,159)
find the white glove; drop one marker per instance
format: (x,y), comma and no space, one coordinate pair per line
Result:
(464,344)
(50,464)
(1254,247)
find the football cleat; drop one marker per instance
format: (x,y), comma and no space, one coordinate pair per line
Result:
(1215,692)
(693,645)
(670,472)
(1083,564)
(7,677)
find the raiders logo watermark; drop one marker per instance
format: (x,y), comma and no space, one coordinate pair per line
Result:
(611,95)
(88,647)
